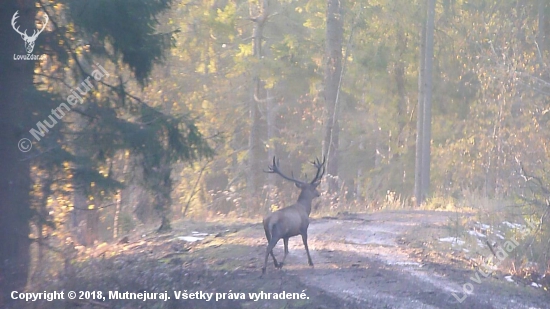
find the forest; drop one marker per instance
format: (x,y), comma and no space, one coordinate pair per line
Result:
(126,125)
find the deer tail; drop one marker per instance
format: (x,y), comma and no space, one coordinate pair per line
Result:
(268,227)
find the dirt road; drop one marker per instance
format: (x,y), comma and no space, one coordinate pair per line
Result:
(378,261)
(384,260)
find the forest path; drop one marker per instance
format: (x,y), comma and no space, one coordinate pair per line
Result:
(379,261)
(389,259)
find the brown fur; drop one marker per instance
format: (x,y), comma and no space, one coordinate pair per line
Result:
(292,220)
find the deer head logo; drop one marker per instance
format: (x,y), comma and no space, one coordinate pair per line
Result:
(29,40)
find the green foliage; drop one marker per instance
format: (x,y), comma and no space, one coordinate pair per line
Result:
(115,139)
(123,28)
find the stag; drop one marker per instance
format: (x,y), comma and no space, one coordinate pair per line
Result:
(29,40)
(292,220)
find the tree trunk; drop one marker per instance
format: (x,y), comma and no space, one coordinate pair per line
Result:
(418,194)
(258,16)
(542,26)
(163,199)
(16,78)
(424,113)
(333,71)
(43,214)
(402,109)
(116,215)
(428,82)
(253,141)
(78,214)
(541,35)
(92,225)
(271,114)
(399,75)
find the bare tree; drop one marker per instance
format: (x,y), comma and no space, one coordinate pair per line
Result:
(258,15)
(424,124)
(333,74)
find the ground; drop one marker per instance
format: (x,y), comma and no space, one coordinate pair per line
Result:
(381,260)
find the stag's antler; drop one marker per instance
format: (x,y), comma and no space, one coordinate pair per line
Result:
(274,169)
(320,166)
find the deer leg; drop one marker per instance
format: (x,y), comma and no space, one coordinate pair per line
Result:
(276,240)
(269,251)
(277,265)
(304,239)
(285,240)
(268,236)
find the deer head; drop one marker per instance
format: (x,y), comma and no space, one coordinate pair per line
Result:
(29,40)
(309,189)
